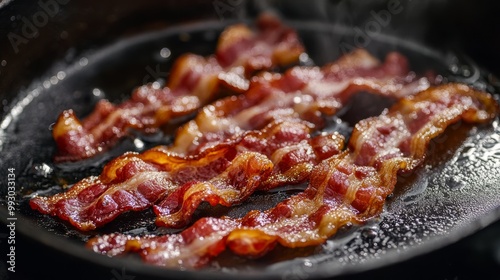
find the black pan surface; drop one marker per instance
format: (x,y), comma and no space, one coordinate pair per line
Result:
(454,194)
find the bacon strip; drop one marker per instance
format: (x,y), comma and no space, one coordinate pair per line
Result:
(300,93)
(287,144)
(194,81)
(282,153)
(264,103)
(133,182)
(350,187)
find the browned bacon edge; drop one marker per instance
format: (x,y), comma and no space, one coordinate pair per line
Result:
(347,188)
(194,81)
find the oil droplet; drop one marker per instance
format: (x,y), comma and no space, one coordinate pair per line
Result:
(454,68)
(165,52)
(54,80)
(4,62)
(97,92)
(466,71)
(156,85)
(83,61)
(61,75)
(139,144)
(305,60)
(369,233)
(46,84)
(454,182)
(42,169)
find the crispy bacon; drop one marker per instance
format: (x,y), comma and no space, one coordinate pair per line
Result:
(269,100)
(133,182)
(300,93)
(347,188)
(287,144)
(282,153)
(193,247)
(194,81)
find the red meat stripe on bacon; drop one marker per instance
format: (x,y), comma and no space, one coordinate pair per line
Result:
(350,187)
(194,81)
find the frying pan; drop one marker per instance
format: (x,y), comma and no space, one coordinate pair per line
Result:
(82,53)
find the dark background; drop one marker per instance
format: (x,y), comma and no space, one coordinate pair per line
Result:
(471,26)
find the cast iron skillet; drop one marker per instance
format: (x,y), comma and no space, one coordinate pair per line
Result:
(455,193)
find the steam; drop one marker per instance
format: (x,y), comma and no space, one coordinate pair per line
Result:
(361,23)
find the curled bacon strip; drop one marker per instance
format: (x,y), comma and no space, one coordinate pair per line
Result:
(136,181)
(287,144)
(350,187)
(229,119)
(282,153)
(194,81)
(300,93)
